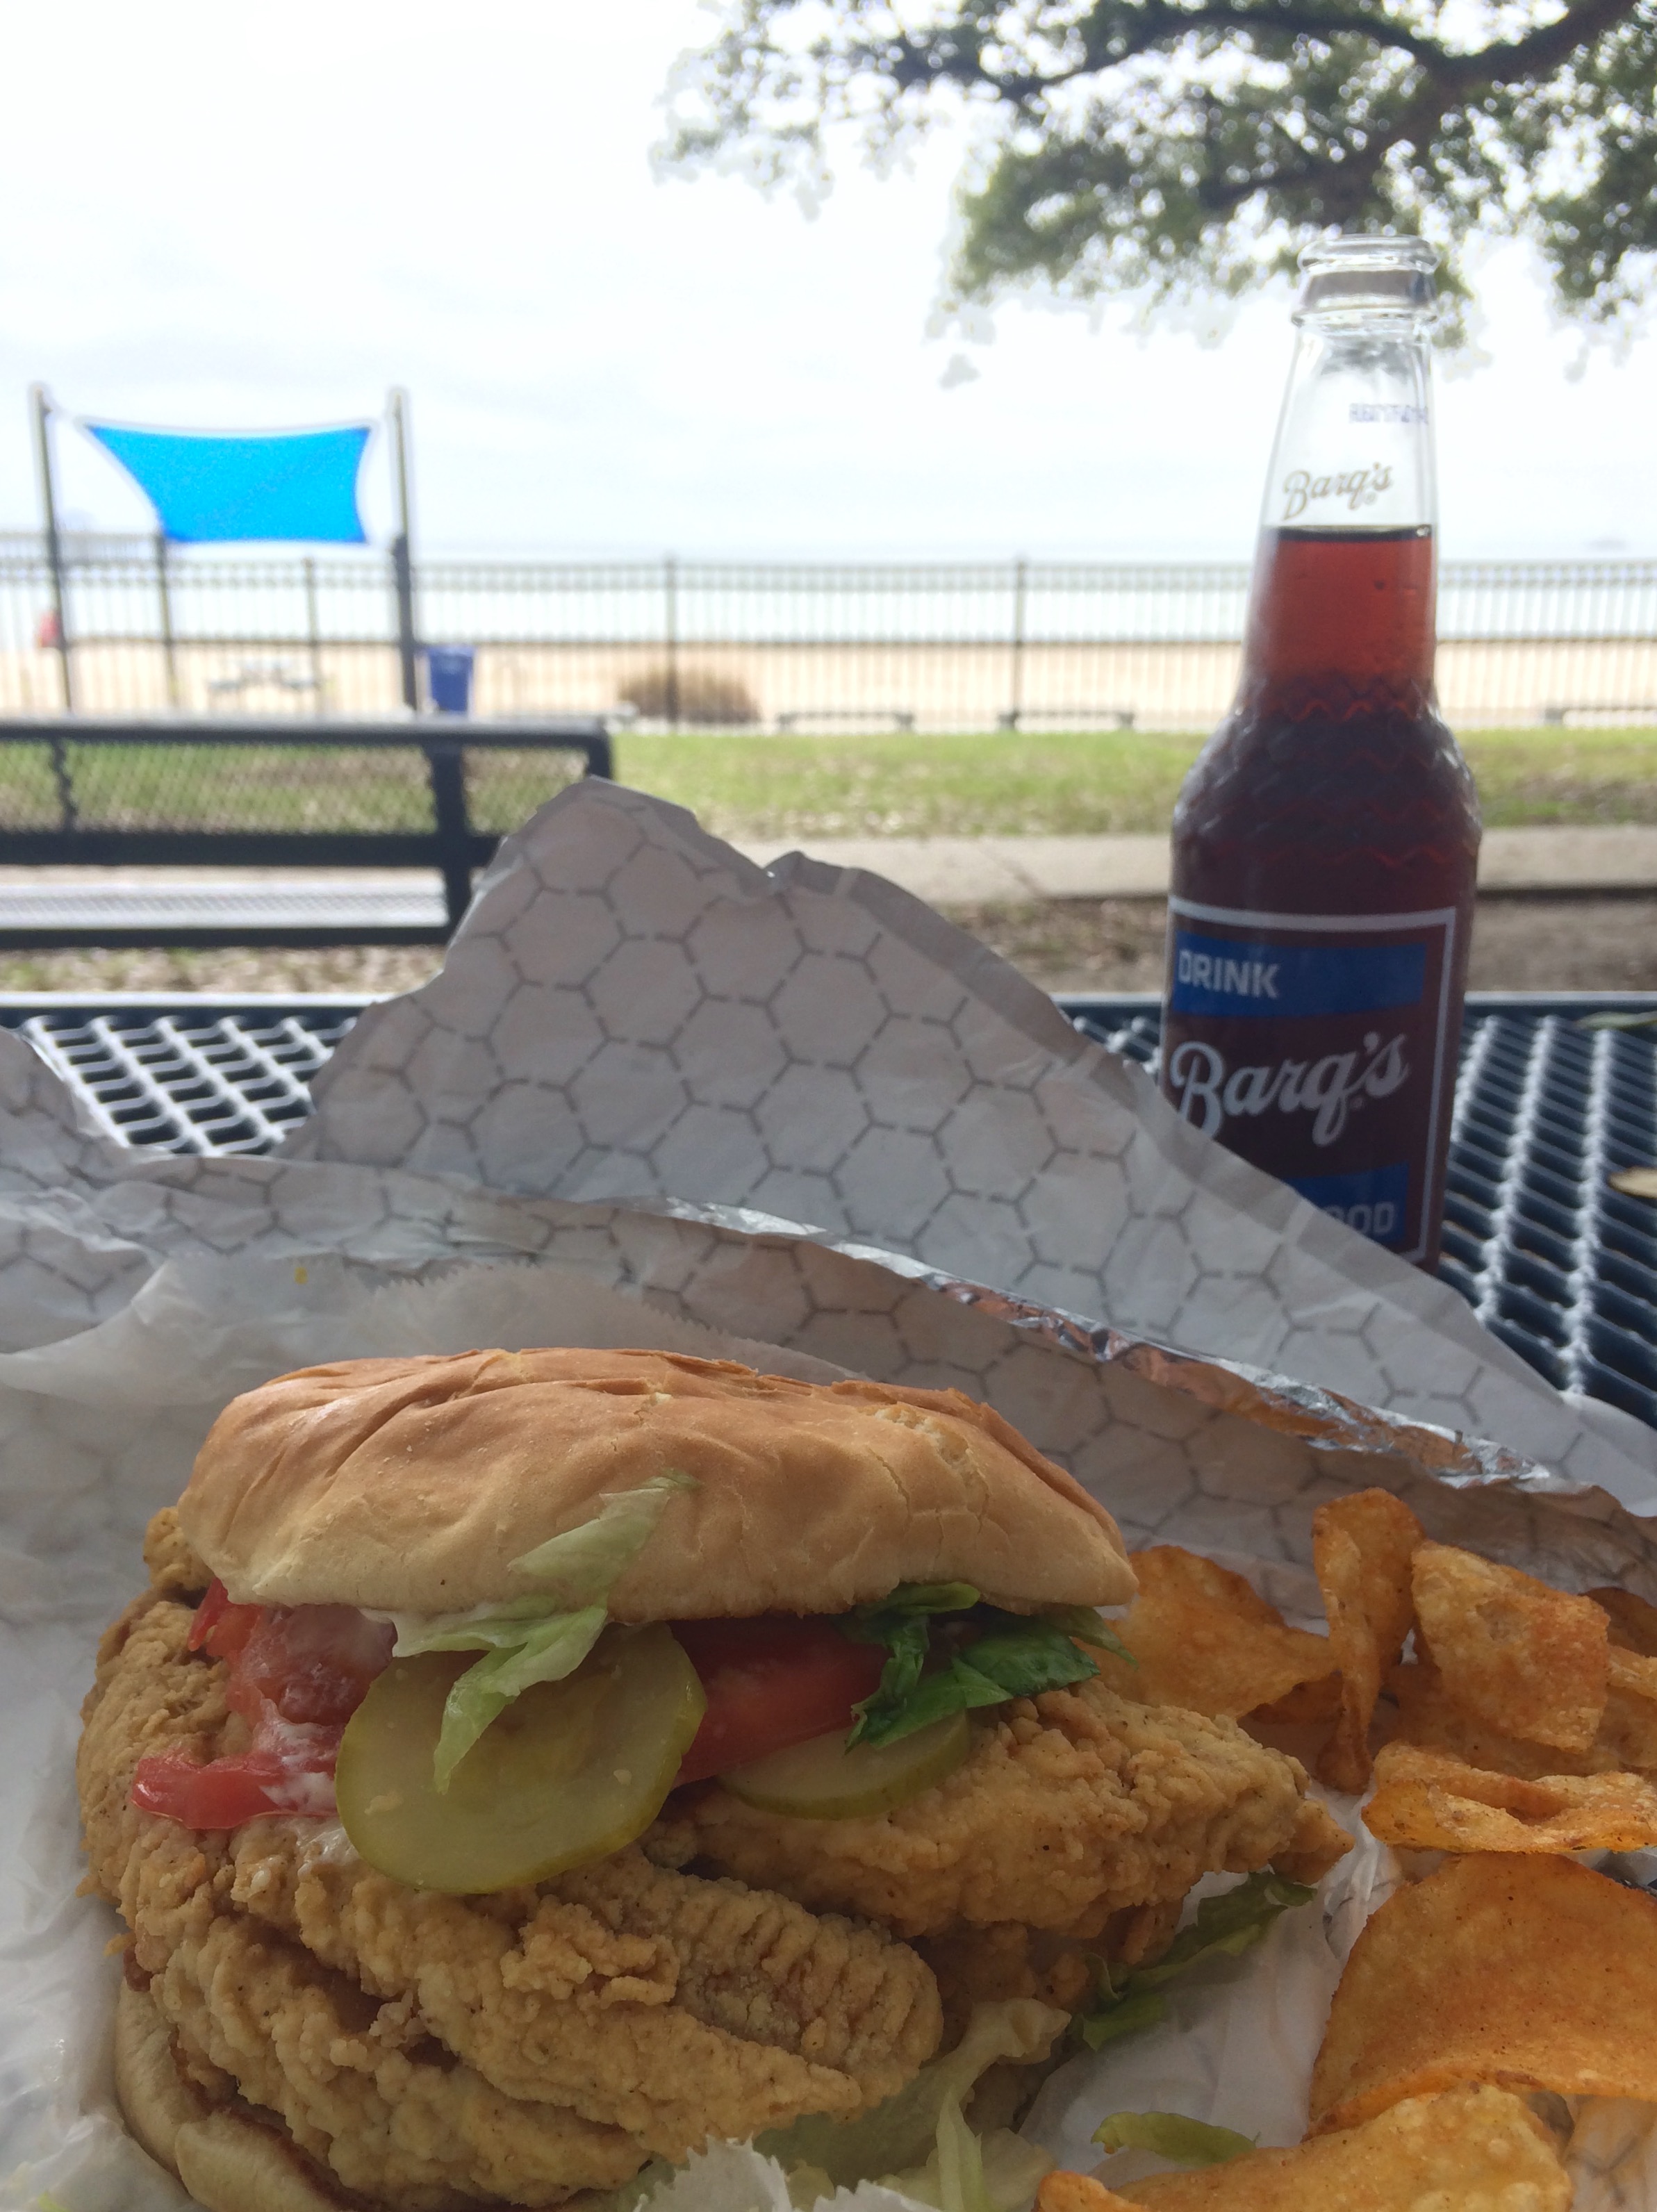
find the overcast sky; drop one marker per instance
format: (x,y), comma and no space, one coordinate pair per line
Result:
(241,217)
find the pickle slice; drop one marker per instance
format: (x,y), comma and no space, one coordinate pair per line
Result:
(570,1772)
(822,1781)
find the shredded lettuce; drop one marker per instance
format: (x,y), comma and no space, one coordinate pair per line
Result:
(967,2173)
(1225,1927)
(1008,1654)
(542,1638)
(580,1565)
(902,2132)
(1172,2135)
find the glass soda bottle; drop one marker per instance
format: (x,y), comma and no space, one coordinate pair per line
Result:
(1326,839)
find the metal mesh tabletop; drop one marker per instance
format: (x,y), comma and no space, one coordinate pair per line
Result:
(1557,1264)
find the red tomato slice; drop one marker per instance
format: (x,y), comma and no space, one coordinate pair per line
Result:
(314,1663)
(219,1627)
(228,1791)
(771,1683)
(297,1675)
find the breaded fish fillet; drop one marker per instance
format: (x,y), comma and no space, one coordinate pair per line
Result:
(1068,1808)
(520,2045)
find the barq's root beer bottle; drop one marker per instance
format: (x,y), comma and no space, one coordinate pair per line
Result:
(1325,840)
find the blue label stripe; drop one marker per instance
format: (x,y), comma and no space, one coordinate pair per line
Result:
(1234,977)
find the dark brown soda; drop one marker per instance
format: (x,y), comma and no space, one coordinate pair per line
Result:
(1332,786)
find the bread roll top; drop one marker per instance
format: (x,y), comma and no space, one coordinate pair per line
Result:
(413,1485)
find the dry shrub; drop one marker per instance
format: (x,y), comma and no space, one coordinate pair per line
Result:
(703,697)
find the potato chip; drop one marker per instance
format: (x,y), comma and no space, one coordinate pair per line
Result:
(1362,1547)
(1529,1971)
(1428,1716)
(1430,1801)
(1065,2191)
(1628,1728)
(1478,2148)
(1312,1705)
(1525,1660)
(1633,1622)
(1205,1640)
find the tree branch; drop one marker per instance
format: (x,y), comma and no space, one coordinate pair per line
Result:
(916,63)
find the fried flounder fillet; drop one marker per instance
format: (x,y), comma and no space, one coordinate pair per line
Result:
(430,2049)
(1071,1807)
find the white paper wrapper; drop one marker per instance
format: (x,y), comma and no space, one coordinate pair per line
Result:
(644,1063)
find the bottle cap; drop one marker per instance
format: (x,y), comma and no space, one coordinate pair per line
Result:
(1346,273)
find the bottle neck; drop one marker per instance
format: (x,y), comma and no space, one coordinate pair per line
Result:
(1342,607)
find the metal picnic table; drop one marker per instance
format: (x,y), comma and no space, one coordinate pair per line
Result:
(1557,1264)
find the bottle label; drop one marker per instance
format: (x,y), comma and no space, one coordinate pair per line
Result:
(1322,1048)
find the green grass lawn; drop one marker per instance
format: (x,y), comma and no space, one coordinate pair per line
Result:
(786,788)
(759,787)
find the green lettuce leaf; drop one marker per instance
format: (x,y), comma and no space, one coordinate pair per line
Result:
(1225,1927)
(543,1651)
(1010,1655)
(579,1566)
(540,1638)
(1088,1626)
(902,2132)
(998,2172)
(1172,2135)
(961,2184)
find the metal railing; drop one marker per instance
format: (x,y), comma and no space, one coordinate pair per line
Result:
(781,645)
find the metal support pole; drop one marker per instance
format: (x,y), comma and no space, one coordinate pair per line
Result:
(671,627)
(313,634)
(41,406)
(446,763)
(1020,592)
(164,597)
(408,648)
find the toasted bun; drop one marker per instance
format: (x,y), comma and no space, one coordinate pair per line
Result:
(412,1485)
(227,2162)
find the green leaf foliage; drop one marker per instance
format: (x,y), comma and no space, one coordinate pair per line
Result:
(985,1655)
(1180,147)
(1225,1928)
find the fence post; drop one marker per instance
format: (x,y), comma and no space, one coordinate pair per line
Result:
(164,596)
(41,407)
(402,561)
(445,764)
(1016,671)
(670,636)
(313,633)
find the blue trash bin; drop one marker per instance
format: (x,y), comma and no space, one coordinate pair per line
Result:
(449,677)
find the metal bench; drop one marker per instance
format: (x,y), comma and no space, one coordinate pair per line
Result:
(1065,718)
(87,832)
(1558,715)
(900,718)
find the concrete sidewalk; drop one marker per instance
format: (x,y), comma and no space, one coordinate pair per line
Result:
(1024,870)
(946,872)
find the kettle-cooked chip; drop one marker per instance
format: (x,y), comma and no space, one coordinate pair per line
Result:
(1428,1716)
(1478,2148)
(1309,1704)
(1633,1622)
(1527,1660)
(1206,1640)
(1528,1970)
(1362,1547)
(1429,1799)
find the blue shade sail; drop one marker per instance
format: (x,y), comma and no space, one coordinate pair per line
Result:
(207,490)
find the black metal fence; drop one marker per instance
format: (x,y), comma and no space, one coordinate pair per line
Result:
(149,630)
